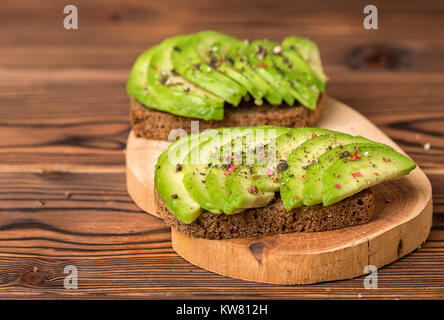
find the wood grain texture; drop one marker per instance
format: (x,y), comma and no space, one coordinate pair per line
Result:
(64,114)
(140,158)
(121,251)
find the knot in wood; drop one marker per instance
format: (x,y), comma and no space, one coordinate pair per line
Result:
(257,248)
(33,277)
(377,57)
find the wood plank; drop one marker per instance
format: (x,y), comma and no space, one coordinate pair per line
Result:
(115,46)
(122,252)
(73,125)
(111,33)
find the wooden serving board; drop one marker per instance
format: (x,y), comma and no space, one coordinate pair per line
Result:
(400,226)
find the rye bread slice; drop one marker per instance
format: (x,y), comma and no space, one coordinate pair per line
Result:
(153,124)
(274,219)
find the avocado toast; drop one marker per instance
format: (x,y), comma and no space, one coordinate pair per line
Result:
(225,82)
(252,181)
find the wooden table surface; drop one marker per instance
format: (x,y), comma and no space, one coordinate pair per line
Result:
(64,123)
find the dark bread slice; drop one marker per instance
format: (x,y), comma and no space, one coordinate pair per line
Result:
(153,124)
(274,219)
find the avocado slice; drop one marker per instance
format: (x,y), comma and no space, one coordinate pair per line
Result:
(243,194)
(309,51)
(230,156)
(228,55)
(253,184)
(137,85)
(301,158)
(305,92)
(154,83)
(290,79)
(266,175)
(291,61)
(374,165)
(168,178)
(237,56)
(312,189)
(258,57)
(195,169)
(248,184)
(295,73)
(187,62)
(300,75)
(215,186)
(219,50)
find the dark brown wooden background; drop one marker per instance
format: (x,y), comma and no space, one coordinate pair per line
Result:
(64,124)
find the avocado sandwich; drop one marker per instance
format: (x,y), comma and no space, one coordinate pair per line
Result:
(225,82)
(254,181)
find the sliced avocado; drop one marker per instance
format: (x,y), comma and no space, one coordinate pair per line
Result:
(266,176)
(216,173)
(263,174)
(154,83)
(300,75)
(231,155)
(291,61)
(301,158)
(195,169)
(137,85)
(194,172)
(192,75)
(171,189)
(175,93)
(301,86)
(259,59)
(237,56)
(189,64)
(312,190)
(305,90)
(217,50)
(215,185)
(243,193)
(228,55)
(373,165)
(347,165)
(168,181)
(252,183)
(309,51)
(168,178)
(294,138)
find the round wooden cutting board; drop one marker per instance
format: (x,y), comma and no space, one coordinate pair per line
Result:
(402,223)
